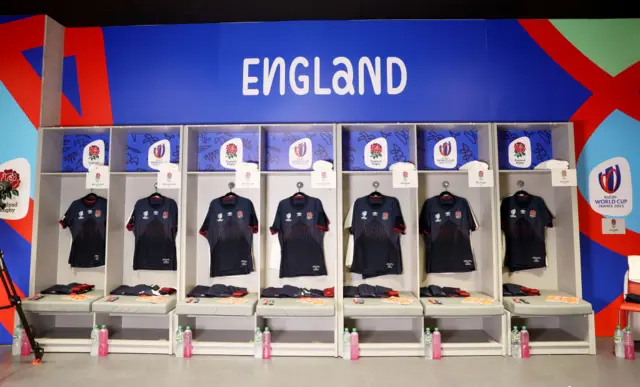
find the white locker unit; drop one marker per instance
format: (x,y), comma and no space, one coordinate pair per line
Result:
(298,328)
(466,328)
(218,328)
(555,327)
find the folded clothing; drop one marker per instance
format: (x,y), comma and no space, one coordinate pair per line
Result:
(72,288)
(510,289)
(437,291)
(368,291)
(142,290)
(634,298)
(217,291)
(288,291)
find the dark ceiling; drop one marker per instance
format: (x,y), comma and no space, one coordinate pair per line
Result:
(127,12)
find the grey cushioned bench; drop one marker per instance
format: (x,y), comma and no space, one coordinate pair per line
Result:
(62,303)
(457,307)
(135,305)
(219,306)
(378,307)
(539,306)
(294,307)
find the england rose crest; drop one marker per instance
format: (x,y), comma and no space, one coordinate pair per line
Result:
(376,150)
(232,151)
(520,149)
(94,152)
(10,176)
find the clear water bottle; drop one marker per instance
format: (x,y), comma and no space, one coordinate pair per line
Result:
(524,342)
(95,340)
(346,344)
(16,347)
(437,344)
(515,343)
(629,344)
(103,339)
(187,341)
(355,345)
(266,344)
(618,343)
(428,344)
(179,345)
(257,342)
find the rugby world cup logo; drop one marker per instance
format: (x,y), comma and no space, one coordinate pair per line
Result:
(301,149)
(445,148)
(610,179)
(159,151)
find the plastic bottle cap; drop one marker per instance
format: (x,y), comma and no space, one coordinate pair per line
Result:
(179,326)
(346,330)
(95,326)
(354,329)
(515,327)
(188,327)
(435,329)
(266,329)
(19,326)
(524,327)
(618,327)
(427,330)
(104,326)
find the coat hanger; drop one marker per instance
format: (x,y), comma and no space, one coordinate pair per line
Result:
(90,198)
(521,193)
(230,195)
(375,194)
(156,195)
(445,195)
(299,194)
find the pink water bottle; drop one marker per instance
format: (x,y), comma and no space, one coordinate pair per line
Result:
(103,341)
(355,345)
(437,345)
(524,342)
(25,344)
(187,341)
(629,345)
(266,344)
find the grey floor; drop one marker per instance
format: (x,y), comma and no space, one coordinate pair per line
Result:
(71,370)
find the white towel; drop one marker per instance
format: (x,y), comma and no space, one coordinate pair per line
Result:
(634,268)
(553,164)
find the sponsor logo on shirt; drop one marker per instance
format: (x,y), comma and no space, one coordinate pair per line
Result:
(240,215)
(89,212)
(165,215)
(385,215)
(458,214)
(145,215)
(364,215)
(243,262)
(448,213)
(523,211)
(532,213)
(309,215)
(315,267)
(299,214)
(536,259)
(98,213)
(81,215)
(155,212)
(438,220)
(513,213)
(166,261)
(389,265)
(220,218)
(374,213)
(288,217)
(229,213)
(468,262)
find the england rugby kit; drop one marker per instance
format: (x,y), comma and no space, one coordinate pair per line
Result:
(376,223)
(446,221)
(300,223)
(86,219)
(229,227)
(524,218)
(154,222)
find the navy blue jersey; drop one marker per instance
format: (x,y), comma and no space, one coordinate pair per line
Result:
(376,224)
(154,223)
(300,223)
(87,222)
(524,219)
(446,222)
(229,227)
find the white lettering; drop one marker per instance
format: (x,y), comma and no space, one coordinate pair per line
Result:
(374,74)
(317,89)
(347,75)
(246,79)
(270,73)
(304,79)
(393,90)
